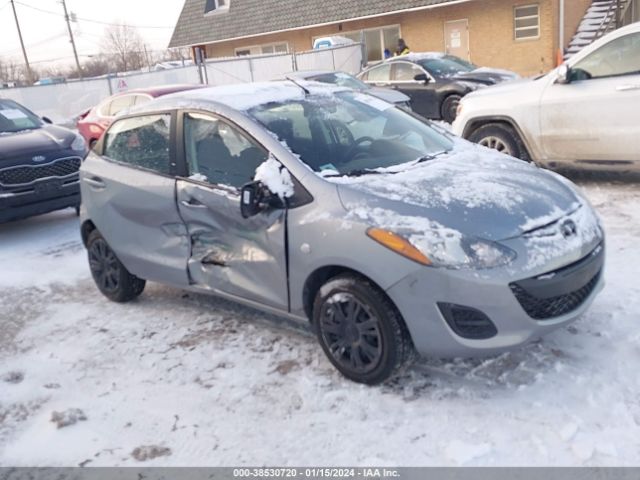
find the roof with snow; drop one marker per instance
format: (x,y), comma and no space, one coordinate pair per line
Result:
(239,20)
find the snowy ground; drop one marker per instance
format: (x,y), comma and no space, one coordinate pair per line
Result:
(183,379)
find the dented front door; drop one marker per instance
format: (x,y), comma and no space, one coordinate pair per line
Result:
(231,254)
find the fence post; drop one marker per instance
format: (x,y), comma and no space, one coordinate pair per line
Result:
(251,69)
(109,83)
(294,60)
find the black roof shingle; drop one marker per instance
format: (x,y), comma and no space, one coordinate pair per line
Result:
(254,17)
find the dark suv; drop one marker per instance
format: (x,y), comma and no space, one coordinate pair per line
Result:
(39,164)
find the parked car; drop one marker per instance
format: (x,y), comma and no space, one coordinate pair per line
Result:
(312,201)
(435,82)
(583,114)
(343,79)
(39,164)
(93,122)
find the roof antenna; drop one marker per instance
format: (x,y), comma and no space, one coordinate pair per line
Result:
(306,91)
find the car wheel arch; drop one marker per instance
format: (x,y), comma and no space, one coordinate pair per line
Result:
(322,275)
(85,230)
(478,123)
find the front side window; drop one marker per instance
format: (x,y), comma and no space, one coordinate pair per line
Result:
(14,118)
(141,142)
(406,72)
(526,22)
(119,104)
(379,74)
(618,57)
(350,132)
(220,153)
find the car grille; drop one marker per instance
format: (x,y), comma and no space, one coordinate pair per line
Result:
(25,174)
(545,308)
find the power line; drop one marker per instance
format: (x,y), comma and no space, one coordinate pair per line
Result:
(91,20)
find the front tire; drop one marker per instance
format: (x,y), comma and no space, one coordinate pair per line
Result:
(449,110)
(360,330)
(111,277)
(502,138)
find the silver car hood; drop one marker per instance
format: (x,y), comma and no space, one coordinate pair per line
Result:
(470,190)
(388,95)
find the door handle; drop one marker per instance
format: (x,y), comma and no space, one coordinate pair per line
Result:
(627,88)
(192,203)
(95,182)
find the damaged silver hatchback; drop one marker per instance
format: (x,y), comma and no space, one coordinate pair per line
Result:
(314,202)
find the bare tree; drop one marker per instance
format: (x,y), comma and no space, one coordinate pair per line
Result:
(124,44)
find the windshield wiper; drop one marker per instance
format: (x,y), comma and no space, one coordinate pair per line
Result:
(426,158)
(358,172)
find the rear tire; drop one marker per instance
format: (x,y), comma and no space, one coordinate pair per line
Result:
(502,138)
(111,277)
(360,330)
(449,109)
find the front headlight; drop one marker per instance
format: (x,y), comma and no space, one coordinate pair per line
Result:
(78,144)
(447,250)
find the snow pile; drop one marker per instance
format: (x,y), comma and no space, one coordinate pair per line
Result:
(275,177)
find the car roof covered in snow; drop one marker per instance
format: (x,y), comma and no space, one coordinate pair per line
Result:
(241,97)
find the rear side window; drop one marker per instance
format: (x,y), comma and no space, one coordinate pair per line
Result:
(379,74)
(140,142)
(119,104)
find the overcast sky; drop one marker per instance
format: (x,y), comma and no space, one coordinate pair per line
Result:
(46,37)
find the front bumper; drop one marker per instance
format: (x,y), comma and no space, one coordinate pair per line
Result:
(41,197)
(420,297)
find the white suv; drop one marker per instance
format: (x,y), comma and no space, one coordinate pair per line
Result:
(585,113)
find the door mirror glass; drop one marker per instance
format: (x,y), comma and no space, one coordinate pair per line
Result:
(564,74)
(421,77)
(251,199)
(47,120)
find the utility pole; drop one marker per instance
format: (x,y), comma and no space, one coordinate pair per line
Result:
(24,51)
(73,43)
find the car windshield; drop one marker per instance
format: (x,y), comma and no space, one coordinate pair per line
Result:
(350,133)
(446,66)
(341,79)
(15,118)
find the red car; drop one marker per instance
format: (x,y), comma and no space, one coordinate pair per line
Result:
(94,122)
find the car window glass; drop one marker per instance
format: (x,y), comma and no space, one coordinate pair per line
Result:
(220,152)
(349,131)
(14,118)
(380,74)
(618,57)
(141,99)
(406,72)
(140,141)
(443,67)
(119,104)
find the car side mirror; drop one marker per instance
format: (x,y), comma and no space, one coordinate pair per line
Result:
(564,74)
(251,198)
(421,77)
(47,120)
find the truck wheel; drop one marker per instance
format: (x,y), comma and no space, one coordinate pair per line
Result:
(502,138)
(360,330)
(112,278)
(449,109)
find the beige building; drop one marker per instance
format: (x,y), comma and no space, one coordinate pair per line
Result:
(520,35)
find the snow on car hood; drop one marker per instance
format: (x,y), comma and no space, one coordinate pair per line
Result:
(471,190)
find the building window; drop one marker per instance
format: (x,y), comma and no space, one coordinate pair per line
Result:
(271,48)
(376,40)
(216,6)
(526,22)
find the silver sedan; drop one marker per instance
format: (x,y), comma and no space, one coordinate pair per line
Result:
(314,202)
